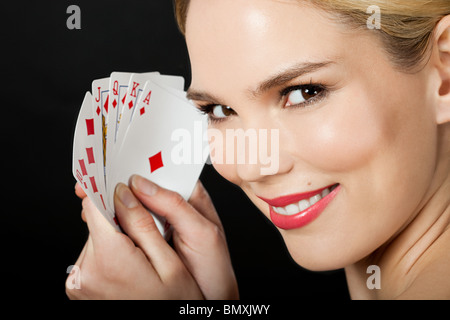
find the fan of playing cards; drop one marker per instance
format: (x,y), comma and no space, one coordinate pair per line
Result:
(138,123)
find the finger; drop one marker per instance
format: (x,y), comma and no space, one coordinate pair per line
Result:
(74,280)
(139,225)
(100,230)
(80,259)
(170,205)
(83,216)
(200,243)
(79,191)
(201,201)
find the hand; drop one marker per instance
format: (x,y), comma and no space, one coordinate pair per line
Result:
(80,192)
(142,265)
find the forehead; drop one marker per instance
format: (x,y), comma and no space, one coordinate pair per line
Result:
(245,41)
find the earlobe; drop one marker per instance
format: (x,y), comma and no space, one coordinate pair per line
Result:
(443,46)
(443,114)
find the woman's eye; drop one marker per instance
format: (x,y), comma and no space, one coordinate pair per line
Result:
(219,111)
(216,112)
(300,95)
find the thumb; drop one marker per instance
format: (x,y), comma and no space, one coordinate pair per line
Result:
(198,239)
(184,218)
(140,226)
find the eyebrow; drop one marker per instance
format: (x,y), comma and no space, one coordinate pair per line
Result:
(276,80)
(287,75)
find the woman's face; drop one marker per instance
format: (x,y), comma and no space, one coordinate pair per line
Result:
(345,117)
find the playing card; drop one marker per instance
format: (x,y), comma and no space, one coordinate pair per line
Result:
(135,88)
(165,142)
(118,86)
(84,164)
(100,105)
(138,124)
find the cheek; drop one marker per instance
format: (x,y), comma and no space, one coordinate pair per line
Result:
(343,136)
(227,171)
(218,155)
(337,138)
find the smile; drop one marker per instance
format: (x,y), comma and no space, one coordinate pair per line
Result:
(297,210)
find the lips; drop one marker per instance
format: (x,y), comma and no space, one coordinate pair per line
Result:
(297,210)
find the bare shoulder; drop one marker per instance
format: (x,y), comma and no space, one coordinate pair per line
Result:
(433,280)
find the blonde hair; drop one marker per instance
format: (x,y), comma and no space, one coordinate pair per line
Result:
(406,26)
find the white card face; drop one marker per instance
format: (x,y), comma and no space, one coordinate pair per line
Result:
(138,124)
(166,143)
(175,82)
(135,86)
(118,90)
(83,156)
(118,86)
(100,105)
(84,166)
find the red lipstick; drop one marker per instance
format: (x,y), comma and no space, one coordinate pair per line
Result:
(302,218)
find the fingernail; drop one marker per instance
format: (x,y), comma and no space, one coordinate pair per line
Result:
(126,196)
(144,185)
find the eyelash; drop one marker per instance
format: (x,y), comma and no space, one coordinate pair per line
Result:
(322,92)
(208,110)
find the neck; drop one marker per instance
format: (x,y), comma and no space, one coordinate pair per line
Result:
(406,254)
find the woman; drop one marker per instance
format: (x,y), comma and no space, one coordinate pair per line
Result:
(359,93)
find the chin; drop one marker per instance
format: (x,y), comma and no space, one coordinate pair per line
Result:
(322,255)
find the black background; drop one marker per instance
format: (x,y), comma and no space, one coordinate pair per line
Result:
(47,69)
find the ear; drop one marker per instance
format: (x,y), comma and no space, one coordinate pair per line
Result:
(442,45)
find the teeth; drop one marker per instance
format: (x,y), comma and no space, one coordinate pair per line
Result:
(280,210)
(325,192)
(292,209)
(302,205)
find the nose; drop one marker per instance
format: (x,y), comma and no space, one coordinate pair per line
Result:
(256,153)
